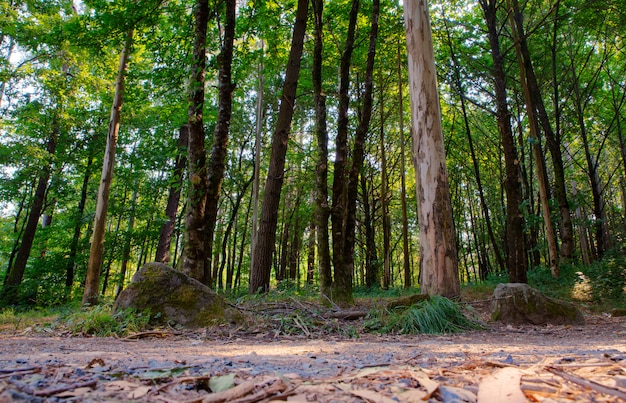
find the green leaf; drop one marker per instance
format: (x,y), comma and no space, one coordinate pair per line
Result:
(222,383)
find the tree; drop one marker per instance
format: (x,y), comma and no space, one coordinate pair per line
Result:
(167,229)
(322,211)
(515,239)
(216,166)
(265,242)
(15,273)
(438,254)
(194,253)
(92,281)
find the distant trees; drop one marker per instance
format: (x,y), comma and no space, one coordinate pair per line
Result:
(322,128)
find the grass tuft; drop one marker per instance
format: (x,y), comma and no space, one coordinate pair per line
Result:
(437,315)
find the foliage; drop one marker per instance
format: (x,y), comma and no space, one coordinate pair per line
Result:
(435,315)
(607,278)
(101,321)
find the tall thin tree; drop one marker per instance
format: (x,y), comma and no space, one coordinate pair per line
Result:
(216,166)
(266,237)
(92,281)
(322,211)
(438,253)
(194,253)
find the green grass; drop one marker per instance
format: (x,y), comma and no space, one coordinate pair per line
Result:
(100,320)
(437,315)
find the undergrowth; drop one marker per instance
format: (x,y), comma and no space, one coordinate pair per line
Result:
(100,320)
(437,315)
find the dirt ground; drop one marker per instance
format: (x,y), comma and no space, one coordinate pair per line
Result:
(503,363)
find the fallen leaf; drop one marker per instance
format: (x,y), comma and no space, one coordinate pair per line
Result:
(370,395)
(221,383)
(139,392)
(428,384)
(412,396)
(503,385)
(74,393)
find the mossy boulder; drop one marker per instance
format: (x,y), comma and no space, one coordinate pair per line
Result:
(517,303)
(174,297)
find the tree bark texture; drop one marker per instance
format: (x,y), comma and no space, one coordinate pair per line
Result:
(322,210)
(438,253)
(266,238)
(338,211)
(344,273)
(173,199)
(92,280)
(216,167)
(515,242)
(194,262)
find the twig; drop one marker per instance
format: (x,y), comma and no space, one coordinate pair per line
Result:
(315,315)
(335,306)
(14,370)
(150,333)
(231,394)
(273,388)
(65,388)
(301,326)
(7,373)
(587,383)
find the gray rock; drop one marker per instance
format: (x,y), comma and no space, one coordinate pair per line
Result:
(517,303)
(174,297)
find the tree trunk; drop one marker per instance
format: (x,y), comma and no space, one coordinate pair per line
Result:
(322,210)
(384,190)
(80,211)
(344,273)
(265,244)
(371,256)
(257,161)
(127,243)
(215,169)
(438,253)
(338,212)
(92,280)
(15,273)
(515,239)
(529,84)
(405,222)
(176,184)
(310,263)
(554,146)
(194,262)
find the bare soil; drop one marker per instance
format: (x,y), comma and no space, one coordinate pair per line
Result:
(503,363)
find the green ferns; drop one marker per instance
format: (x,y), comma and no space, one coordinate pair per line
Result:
(435,315)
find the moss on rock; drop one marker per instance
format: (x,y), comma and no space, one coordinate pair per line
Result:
(518,303)
(174,297)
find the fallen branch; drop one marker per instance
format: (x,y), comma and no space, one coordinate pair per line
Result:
(598,387)
(65,388)
(7,373)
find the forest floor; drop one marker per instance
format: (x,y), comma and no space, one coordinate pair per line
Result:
(502,363)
